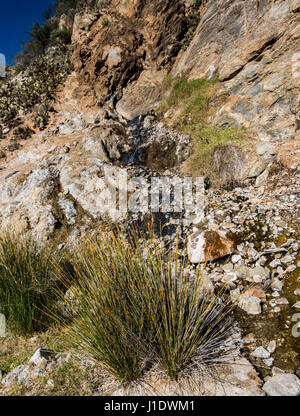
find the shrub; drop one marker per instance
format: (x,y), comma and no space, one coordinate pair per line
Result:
(39,40)
(65,6)
(41,79)
(23,132)
(27,283)
(61,35)
(133,305)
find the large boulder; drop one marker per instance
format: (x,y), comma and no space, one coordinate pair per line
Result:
(209,246)
(283,385)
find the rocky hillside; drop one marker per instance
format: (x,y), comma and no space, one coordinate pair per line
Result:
(165,89)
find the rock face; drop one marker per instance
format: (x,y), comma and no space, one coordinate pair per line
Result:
(234,164)
(282,385)
(126,42)
(255,48)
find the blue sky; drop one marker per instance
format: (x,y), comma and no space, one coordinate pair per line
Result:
(16,18)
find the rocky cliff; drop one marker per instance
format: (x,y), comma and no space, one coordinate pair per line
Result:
(122,54)
(108,118)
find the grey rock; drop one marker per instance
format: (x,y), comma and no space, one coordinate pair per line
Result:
(69,209)
(275,263)
(260,352)
(282,301)
(277,284)
(229,278)
(258,274)
(257,168)
(262,179)
(228,268)
(286,259)
(282,385)
(265,149)
(40,355)
(268,361)
(243,272)
(290,268)
(18,375)
(195,248)
(235,258)
(271,346)
(250,304)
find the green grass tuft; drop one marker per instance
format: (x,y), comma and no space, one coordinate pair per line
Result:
(27,283)
(133,306)
(190,109)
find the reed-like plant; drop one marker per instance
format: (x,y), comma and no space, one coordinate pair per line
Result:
(133,305)
(27,283)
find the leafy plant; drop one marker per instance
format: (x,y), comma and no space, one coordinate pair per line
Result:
(41,78)
(23,132)
(133,305)
(26,283)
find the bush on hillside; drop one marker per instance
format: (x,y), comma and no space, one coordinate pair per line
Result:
(41,37)
(39,83)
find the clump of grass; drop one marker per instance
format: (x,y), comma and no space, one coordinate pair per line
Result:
(206,141)
(27,283)
(133,306)
(191,97)
(190,107)
(101,302)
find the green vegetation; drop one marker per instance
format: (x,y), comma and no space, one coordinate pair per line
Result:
(65,6)
(189,109)
(41,79)
(69,379)
(207,139)
(37,44)
(23,133)
(105,22)
(133,305)
(27,283)
(48,34)
(193,21)
(61,36)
